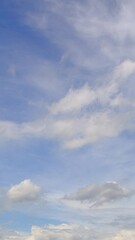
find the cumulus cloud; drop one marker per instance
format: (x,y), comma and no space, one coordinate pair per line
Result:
(124,235)
(56,232)
(24,191)
(67,232)
(59,232)
(98,195)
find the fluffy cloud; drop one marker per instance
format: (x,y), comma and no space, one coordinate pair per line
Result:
(24,191)
(55,232)
(67,232)
(124,235)
(102,194)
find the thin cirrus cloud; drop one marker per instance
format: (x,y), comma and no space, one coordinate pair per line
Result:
(98,195)
(84,115)
(106,26)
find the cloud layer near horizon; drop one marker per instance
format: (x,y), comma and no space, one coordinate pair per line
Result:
(66,231)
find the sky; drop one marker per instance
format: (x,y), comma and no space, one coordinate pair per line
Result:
(67,120)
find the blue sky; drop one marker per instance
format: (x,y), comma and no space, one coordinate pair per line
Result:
(67,128)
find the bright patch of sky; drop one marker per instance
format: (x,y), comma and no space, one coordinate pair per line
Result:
(67,119)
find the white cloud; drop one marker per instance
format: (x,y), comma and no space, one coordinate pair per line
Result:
(124,235)
(83,116)
(9,130)
(67,232)
(24,191)
(100,195)
(6,234)
(124,70)
(55,232)
(74,100)
(98,19)
(118,78)
(93,128)
(106,27)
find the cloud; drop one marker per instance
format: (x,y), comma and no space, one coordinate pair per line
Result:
(9,130)
(94,128)
(92,34)
(84,115)
(77,99)
(21,194)
(72,132)
(55,232)
(74,100)
(6,234)
(68,232)
(73,232)
(100,195)
(124,235)
(124,70)
(24,192)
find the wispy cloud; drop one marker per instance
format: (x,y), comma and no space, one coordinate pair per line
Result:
(81,26)
(75,100)
(84,115)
